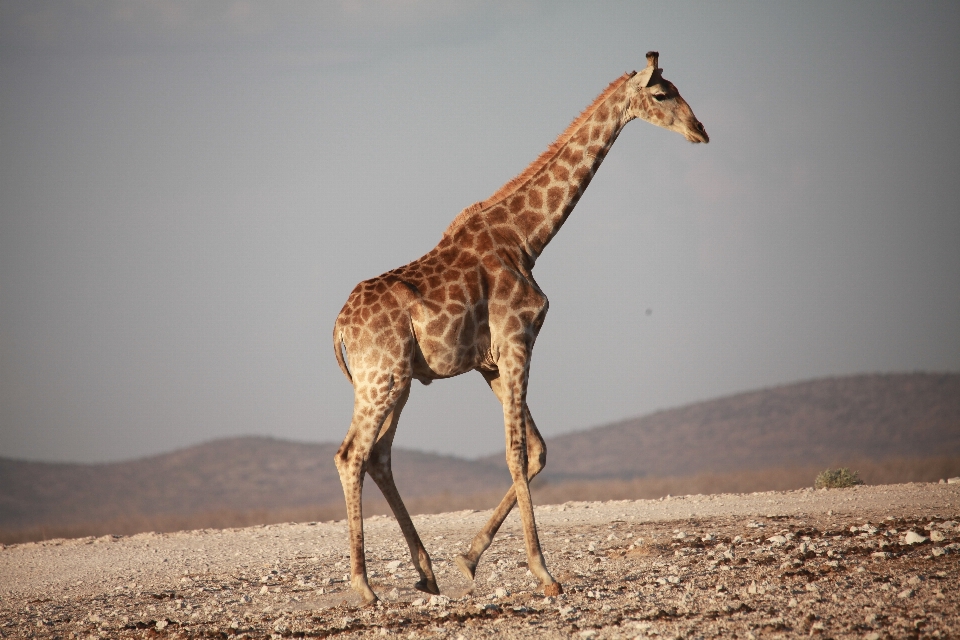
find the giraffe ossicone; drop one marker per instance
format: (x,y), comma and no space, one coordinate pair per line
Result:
(472,304)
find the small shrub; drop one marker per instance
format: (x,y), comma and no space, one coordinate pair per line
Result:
(839,479)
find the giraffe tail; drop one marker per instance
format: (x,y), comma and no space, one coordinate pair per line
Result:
(340,350)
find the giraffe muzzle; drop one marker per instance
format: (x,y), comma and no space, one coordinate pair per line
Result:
(698,133)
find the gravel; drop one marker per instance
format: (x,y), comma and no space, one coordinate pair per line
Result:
(834,563)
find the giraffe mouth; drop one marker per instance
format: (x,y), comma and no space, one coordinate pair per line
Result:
(696,133)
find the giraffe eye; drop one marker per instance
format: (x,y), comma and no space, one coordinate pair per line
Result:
(659,97)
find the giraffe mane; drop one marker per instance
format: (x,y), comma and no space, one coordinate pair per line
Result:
(544,158)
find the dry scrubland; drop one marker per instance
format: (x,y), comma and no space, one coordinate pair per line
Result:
(896,470)
(864,562)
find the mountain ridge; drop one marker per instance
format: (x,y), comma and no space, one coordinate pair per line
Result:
(817,422)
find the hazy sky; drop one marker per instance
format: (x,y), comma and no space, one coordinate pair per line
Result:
(189,191)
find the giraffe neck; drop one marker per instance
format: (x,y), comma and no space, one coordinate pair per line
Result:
(530,209)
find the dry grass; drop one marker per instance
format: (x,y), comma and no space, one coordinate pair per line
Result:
(872,472)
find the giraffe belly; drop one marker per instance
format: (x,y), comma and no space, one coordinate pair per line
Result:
(461,348)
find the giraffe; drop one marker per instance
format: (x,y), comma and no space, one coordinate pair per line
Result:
(472,304)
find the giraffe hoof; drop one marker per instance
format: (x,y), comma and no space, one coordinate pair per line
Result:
(427,586)
(364,591)
(368,596)
(467,568)
(553,589)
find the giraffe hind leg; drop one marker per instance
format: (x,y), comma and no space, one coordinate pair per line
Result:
(369,415)
(381,471)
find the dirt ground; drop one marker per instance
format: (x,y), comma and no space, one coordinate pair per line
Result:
(866,562)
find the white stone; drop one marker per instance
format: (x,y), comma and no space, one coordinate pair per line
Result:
(777,540)
(501,593)
(953,480)
(906,593)
(937,536)
(913,537)
(439,601)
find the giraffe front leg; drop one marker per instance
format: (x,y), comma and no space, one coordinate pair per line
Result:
(515,413)
(521,485)
(536,460)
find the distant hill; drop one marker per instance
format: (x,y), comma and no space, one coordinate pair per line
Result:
(820,422)
(815,423)
(233,474)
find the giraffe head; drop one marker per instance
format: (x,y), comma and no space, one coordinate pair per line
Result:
(657,101)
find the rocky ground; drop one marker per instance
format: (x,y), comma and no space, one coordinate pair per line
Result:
(867,562)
